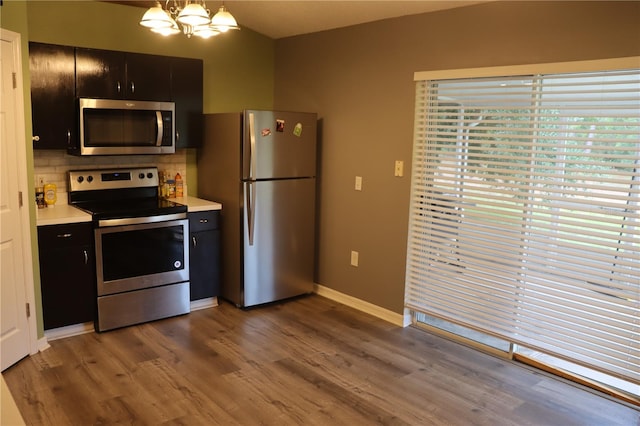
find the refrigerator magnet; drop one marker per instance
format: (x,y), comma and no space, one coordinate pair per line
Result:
(265,132)
(279,125)
(297,130)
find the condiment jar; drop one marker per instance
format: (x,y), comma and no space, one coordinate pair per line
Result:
(50,194)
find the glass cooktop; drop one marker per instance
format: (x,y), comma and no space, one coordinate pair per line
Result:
(131,208)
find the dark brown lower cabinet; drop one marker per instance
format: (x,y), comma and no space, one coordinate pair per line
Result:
(67,274)
(204,254)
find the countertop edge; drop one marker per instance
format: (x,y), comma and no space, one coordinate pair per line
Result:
(64,214)
(195,204)
(61,214)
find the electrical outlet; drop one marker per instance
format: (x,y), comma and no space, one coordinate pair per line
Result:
(354,258)
(358,183)
(399,168)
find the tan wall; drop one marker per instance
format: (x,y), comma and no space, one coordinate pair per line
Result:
(360,81)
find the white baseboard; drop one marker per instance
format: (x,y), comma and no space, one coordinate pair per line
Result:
(43,344)
(68,331)
(407,318)
(369,308)
(204,303)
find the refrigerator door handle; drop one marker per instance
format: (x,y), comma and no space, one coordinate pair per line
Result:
(252,148)
(251,210)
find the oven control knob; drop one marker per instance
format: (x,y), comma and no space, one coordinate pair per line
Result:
(80,179)
(141,175)
(89,178)
(149,175)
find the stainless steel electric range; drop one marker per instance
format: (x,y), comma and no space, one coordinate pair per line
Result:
(141,243)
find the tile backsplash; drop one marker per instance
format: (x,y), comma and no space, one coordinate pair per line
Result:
(52,165)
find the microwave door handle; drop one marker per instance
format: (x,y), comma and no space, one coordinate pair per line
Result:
(160,128)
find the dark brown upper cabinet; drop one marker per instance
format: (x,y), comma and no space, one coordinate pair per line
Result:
(61,74)
(111,74)
(187,93)
(52,70)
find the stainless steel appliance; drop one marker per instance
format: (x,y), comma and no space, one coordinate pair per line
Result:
(262,166)
(142,250)
(122,127)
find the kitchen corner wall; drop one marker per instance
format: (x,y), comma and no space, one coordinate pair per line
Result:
(238,74)
(238,66)
(360,82)
(52,166)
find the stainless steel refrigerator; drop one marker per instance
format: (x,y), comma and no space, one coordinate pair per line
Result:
(261,165)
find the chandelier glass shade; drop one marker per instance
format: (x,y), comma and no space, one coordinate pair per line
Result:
(190,17)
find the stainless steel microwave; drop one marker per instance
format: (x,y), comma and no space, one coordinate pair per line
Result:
(123,127)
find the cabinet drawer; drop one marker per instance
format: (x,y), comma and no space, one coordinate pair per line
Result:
(74,234)
(203,221)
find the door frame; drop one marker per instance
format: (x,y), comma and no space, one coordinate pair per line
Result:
(27,210)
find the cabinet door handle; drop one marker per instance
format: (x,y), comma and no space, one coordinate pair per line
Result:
(86,257)
(133,87)
(36,138)
(118,87)
(204,220)
(64,235)
(195,242)
(68,137)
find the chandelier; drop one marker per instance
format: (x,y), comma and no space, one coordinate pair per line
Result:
(190,17)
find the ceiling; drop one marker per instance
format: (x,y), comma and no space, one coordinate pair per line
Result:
(278,19)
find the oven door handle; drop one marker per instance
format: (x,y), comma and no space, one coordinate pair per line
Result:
(140,220)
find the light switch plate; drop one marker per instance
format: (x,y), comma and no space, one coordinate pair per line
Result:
(399,168)
(354,258)
(358,183)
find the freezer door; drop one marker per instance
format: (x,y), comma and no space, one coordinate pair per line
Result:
(278,145)
(279,218)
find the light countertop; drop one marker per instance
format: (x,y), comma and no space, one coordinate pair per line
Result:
(61,214)
(197,204)
(64,213)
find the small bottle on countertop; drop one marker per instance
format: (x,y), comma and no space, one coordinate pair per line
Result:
(40,194)
(50,194)
(172,188)
(179,186)
(162,184)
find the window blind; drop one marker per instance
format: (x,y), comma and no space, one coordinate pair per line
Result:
(525,219)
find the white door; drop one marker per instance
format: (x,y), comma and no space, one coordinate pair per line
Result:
(14,323)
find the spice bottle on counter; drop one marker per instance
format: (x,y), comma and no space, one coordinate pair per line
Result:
(162,184)
(172,188)
(40,194)
(50,194)
(179,186)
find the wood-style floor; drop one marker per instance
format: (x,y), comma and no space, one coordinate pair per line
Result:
(310,361)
